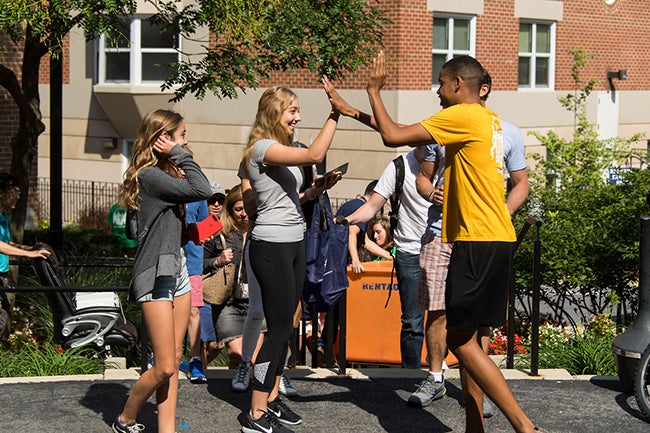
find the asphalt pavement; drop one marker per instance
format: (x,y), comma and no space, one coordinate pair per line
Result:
(363,401)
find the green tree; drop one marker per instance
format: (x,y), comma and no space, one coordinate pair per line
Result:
(590,226)
(330,37)
(250,39)
(38,28)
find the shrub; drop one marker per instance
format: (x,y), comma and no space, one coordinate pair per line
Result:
(499,343)
(584,350)
(49,360)
(93,218)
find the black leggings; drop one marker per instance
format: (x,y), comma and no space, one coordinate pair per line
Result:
(280,270)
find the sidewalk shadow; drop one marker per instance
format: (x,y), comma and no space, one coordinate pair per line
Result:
(622,399)
(108,399)
(382,402)
(222,390)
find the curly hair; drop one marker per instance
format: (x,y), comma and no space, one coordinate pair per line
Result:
(273,102)
(152,126)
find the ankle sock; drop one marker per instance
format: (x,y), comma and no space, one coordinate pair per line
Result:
(437,376)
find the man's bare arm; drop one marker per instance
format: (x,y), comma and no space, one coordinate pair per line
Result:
(393,134)
(519,191)
(368,210)
(424,179)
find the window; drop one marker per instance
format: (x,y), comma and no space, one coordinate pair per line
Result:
(452,36)
(536,55)
(139,53)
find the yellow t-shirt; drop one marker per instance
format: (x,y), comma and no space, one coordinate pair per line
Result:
(474,207)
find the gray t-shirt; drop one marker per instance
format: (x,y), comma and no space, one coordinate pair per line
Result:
(279,217)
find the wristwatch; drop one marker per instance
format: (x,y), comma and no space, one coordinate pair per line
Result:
(341,220)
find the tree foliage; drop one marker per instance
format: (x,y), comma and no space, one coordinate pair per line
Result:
(249,40)
(590,227)
(329,37)
(38,28)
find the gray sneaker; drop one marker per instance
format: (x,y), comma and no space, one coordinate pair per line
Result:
(286,388)
(428,391)
(488,407)
(242,378)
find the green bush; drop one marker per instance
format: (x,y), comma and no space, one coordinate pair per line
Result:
(583,350)
(48,360)
(79,242)
(32,323)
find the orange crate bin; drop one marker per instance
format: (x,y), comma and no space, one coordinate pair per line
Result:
(372,331)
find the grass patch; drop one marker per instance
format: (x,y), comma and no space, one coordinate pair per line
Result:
(48,360)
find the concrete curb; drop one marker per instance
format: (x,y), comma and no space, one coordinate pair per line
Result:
(304,373)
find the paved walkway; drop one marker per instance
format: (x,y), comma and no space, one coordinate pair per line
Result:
(364,401)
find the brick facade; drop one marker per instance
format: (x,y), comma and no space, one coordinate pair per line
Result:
(614,35)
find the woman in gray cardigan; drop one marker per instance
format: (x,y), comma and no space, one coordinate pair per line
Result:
(162,177)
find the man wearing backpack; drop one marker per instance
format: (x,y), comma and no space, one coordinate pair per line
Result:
(408,211)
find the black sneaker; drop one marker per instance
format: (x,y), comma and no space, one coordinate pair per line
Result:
(118,427)
(267,423)
(283,413)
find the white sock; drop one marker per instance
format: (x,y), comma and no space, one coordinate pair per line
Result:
(437,375)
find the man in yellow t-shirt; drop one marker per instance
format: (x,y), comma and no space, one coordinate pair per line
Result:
(475,219)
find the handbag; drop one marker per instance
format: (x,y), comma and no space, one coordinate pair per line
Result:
(219,284)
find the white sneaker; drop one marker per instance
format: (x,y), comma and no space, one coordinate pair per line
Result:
(242,378)
(286,388)
(488,408)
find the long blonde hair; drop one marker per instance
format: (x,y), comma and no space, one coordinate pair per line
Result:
(273,102)
(152,126)
(227,216)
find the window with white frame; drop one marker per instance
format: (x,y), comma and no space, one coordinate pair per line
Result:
(139,53)
(536,55)
(453,35)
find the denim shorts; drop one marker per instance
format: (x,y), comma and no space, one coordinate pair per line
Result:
(166,288)
(229,320)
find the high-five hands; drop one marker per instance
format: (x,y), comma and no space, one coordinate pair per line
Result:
(378,74)
(338,103)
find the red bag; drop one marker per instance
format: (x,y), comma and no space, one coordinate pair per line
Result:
(201,232)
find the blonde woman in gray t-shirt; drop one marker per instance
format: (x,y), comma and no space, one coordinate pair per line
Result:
(277,256)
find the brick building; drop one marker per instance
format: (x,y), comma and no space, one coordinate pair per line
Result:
(525,45)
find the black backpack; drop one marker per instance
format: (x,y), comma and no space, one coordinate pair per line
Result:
(396,198)
(395,202)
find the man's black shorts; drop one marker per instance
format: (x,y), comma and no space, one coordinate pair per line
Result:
(478,280)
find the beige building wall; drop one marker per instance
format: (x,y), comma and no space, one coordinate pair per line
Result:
(218,129)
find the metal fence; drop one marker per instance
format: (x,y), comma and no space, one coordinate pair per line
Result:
(78,197)
(83,196)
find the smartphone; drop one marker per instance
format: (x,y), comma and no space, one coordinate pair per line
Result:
(343,168)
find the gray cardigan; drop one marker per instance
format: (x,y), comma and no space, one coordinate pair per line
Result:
(160,219)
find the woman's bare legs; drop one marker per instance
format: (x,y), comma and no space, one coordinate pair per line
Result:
(167,393)
(166,324)
(159,321)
